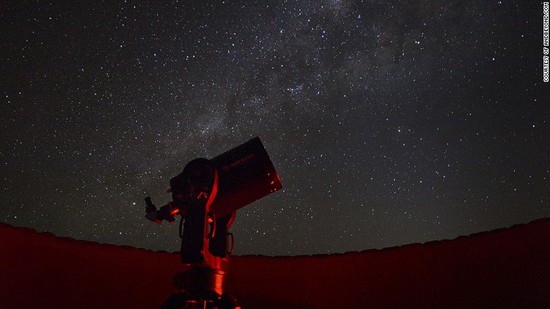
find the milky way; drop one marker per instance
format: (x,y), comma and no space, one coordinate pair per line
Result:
(389,122)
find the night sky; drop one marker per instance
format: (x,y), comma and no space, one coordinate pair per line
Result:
(389,122)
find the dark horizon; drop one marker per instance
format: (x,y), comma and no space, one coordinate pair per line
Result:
(497,269)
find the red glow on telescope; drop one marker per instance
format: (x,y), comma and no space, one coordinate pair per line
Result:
(175,211)
(202,195)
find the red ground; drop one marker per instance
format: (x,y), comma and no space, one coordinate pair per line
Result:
(501,269)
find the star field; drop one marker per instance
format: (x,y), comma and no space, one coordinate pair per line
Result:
(389,123)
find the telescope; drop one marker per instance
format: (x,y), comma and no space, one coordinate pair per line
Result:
(207,194)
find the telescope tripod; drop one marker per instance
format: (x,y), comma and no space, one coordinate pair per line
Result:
(200,287)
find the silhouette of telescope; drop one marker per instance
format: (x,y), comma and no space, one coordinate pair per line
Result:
(207,194)
(245,174)
(227,182)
